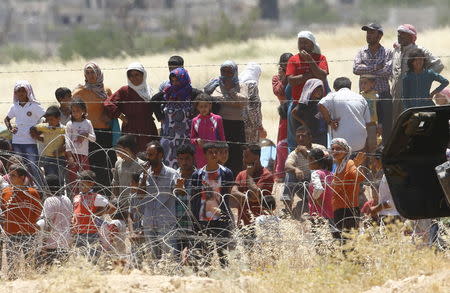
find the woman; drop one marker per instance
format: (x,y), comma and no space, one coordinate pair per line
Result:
(93,93)
(345,186)
(233,97)
(178,113)
(306,112)
(131,103)
(254,129)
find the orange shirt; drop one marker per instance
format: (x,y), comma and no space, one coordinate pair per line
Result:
(21,210)
(95,108)
(346,187)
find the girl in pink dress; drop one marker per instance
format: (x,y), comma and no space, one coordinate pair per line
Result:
(206,127)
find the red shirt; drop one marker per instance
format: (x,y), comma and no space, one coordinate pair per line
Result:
(296,66)
(264,181)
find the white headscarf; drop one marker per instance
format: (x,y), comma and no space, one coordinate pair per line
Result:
(309,35)
(308,88)
(27,86)
(143,90)
(252,73)
(344,144)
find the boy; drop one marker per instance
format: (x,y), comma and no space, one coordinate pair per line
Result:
(20,208)
(113,232)
(210,196)
(52,137)
(56,216)
(88,206)
(223,153)
(367,84)
(64,97)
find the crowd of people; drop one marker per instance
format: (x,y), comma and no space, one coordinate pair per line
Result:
(98,173)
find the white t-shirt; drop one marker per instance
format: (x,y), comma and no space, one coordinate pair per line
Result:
(386,196)
(73,130)
(353,113)
(113,236)
(57,214)
(26,117)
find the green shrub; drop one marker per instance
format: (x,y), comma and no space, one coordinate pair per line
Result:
(18,53)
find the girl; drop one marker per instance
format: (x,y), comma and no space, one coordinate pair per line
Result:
(206,127)
(320,192)
(79,132)
(418,80)
(27,112)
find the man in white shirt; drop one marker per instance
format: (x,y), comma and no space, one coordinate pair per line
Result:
(347,114)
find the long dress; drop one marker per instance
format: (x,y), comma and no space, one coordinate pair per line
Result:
(139,113)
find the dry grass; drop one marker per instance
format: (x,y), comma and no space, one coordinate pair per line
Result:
(341,44)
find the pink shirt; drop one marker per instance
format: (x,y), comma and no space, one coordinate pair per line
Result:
(321,194)
(208,128)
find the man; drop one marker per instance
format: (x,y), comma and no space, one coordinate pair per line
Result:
(407,36)
(376,60)
(158,205)
(20,208)
(252,185)
(347,113)
(297,172)
(210,202)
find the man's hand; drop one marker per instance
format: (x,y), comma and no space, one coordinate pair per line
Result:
(299,174)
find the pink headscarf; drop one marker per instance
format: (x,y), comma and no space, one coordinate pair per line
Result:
(97,87)
(27,86)
(409,29)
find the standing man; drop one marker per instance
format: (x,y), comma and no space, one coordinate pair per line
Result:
(407,36)
(376,60)
(159,219)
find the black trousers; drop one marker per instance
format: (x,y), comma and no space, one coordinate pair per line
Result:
(384,109)
(102,159)
(345,220)
(235,136)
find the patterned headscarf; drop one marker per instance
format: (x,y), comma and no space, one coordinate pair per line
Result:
(181,92)
(97,87)
(27,86)
(143,90)
(409,29)
(251,73)
(348,150)
(310,36)
(308,89)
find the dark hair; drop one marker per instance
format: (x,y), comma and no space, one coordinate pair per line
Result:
(176,61)
(135,177)
(342,82)
(253,148)
(77,102)
(61,92)
(129,142)
(209,145)
(284,58)
(21,171)
(303,128)
(186,148)
(87,175)
(202,97)
(416,54)
(222,145)
(53,185)
(269,202)
(282,110)
(325,162)
(157,145)
(5,153)
(52,111)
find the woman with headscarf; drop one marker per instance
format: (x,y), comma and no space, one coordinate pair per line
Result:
(131,103)
(345,186)
(308,63)
(233,97)
(27,112)
(254,129)
(178,112)
(306,112)
(93,93)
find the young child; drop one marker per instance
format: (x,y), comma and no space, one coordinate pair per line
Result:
(27,113)
(51,135)
(88,206)
(64,97)
(418,80)
(223,153)
(367,84)
(206,127)
(268,225)
(320,192)
(113,233)
(79,132)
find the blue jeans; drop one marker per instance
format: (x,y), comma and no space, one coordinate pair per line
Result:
(54,166)
(29,154)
